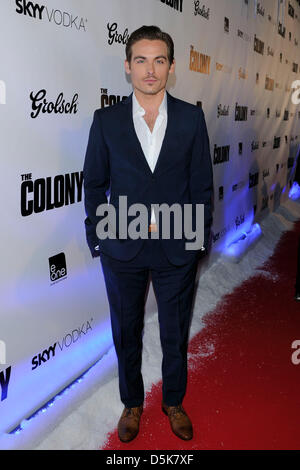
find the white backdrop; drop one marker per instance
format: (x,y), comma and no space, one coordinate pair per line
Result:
(230,57)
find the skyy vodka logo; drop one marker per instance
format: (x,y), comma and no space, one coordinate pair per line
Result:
(41,12)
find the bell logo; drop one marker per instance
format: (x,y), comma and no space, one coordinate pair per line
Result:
(2,92)
(2,352)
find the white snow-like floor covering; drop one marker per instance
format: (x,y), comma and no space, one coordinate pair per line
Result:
(81,419)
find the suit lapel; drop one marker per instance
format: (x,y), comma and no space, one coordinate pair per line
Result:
(134,142)
(170,132)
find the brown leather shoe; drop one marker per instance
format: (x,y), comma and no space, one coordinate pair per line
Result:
(179,421)
(128,426)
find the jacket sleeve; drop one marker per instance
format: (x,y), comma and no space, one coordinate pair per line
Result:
(96,176)
(201,176)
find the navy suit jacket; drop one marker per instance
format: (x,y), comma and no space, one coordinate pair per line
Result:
(115,161)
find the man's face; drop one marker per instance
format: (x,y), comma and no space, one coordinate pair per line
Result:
(149,67)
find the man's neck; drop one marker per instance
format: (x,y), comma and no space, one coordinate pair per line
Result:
(150,103)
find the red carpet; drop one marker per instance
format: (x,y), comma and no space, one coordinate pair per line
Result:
(243,390)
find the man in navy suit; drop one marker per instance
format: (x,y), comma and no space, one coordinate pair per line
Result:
(152,149)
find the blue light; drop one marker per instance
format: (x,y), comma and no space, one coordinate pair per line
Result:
(294,193)
(50,403)
(239,247)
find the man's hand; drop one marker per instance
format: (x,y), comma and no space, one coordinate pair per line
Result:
(202,252)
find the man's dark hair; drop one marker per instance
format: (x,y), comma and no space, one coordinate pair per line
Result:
(152,33)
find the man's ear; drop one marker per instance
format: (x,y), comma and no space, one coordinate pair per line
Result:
(127,67)
(172,67)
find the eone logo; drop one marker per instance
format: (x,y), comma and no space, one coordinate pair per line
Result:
(58,267)
(2,92)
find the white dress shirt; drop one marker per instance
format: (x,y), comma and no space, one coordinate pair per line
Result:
(151,142)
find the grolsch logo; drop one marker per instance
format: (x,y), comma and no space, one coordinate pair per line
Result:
(39,104)
(57,267)
(115,36)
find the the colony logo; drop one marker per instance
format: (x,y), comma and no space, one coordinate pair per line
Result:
(175,4)
(57,267)
(109,100)
(241,113)
(40,104)
(221,154)
(276,142)
(4,381)
(44,194)
(2,92)
(41,12)
(199,62)
(43,356)
(259,46)
(269,83)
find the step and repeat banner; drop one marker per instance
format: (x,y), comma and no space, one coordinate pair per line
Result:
(60,60)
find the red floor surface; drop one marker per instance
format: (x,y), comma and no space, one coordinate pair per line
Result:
(243,390)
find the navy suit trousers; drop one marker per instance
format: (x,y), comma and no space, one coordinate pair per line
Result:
(126,285)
